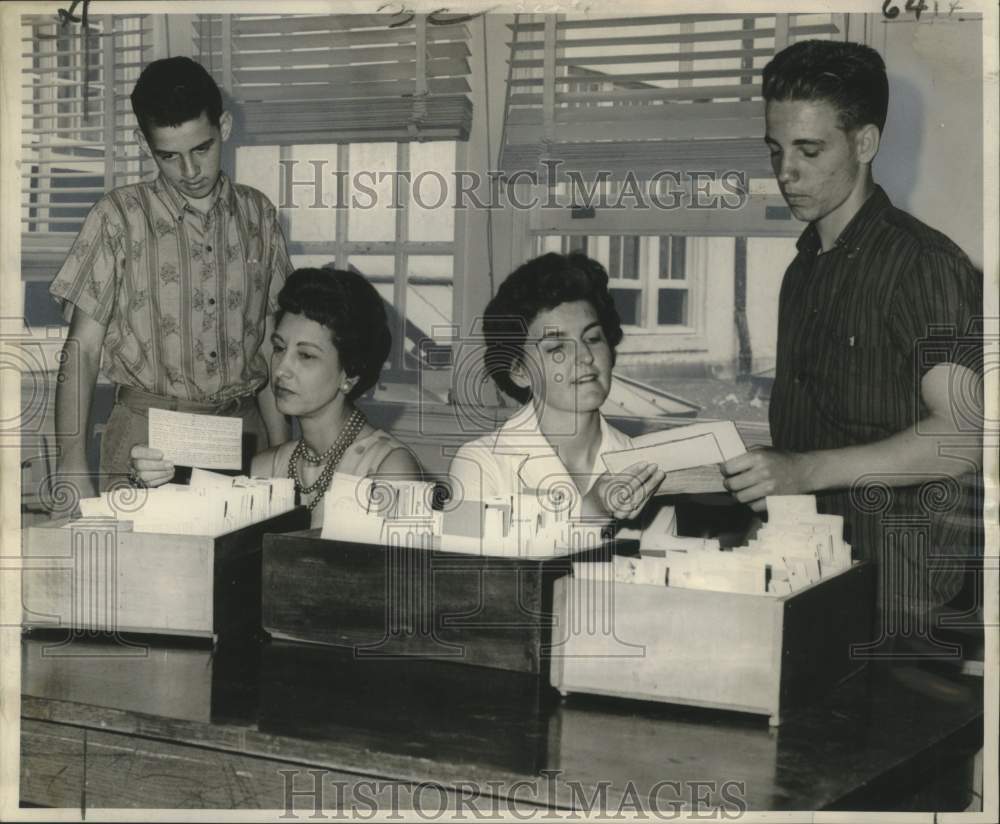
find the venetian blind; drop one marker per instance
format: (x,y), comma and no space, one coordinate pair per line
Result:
(645,93)
(339,78)
(77,121)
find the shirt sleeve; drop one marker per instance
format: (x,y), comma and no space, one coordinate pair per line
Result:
(474,474)
(937,310)
(88,278)
(279,263)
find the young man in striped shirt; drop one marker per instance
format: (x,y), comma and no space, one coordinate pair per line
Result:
(877,401)
(170,286)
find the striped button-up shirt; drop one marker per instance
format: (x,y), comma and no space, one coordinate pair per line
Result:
(858,327)
(183,295)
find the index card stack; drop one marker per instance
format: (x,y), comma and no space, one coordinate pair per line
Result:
(366,510)
(800,546)
(211,506)
(393,512)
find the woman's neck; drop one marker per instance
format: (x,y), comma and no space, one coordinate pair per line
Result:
(571,434)
(321,430)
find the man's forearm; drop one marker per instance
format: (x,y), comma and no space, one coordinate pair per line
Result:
(74,392)
(931,449)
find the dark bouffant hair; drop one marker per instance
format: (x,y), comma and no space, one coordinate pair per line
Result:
(348,305)
(539,285)
(173,91)
(849,76)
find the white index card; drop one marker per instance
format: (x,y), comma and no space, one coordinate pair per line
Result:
(790,508)
(206,441)
(690,451)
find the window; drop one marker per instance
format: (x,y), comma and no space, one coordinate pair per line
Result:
(648,275)
(366,100)
(398,228)
(77,133)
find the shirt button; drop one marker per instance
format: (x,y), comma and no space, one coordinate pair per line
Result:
(213,354)
(211,301)
(208,248)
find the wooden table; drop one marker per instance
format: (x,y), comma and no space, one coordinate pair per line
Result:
(179,725)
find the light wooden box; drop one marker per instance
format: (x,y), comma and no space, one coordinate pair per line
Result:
(754,653)
(170,681)
(96,574)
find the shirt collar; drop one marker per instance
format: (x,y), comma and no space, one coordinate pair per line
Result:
(853,235)
(178,204)
(521,434)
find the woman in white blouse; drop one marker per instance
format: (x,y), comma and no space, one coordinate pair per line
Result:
(551,333)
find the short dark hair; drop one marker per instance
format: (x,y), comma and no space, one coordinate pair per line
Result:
(175,90)
(542,284)
(348,305)
(849,76)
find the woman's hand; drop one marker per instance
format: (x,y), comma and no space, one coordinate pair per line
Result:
(623,496)
(148,466)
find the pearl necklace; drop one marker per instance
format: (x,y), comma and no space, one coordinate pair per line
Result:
(332,456)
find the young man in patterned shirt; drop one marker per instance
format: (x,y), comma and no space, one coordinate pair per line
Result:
(170,286)
(877,401)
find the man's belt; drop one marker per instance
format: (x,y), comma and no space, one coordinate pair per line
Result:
(140,400)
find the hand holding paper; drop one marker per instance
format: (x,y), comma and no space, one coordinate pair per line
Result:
(149,466)
(764,472)
(624,494)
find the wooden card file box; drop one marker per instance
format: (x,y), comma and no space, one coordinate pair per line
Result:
(96,574)
(753,653)
(171,681)
(396,601)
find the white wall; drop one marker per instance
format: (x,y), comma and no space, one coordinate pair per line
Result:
(930,161)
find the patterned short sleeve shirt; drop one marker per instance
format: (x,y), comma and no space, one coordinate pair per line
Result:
(184,295)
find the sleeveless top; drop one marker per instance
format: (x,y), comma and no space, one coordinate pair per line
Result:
(362,458)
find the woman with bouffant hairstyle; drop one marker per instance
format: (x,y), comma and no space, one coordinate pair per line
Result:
(551,333)
(330,340)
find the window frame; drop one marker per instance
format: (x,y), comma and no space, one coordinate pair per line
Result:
(648,284)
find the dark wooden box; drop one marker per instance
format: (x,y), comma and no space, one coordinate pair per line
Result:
(405,706)
(396,601)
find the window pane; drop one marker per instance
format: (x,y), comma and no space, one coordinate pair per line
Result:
(313,163)
(630,258)
(615,256)
(627,303)
(378,269)
(312,261)
(671,307)
(678,257)
(429,294)
(550,243)
(257,166)
(39,308)
(663,266)
(432,174)
(370,216)
(576,243)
